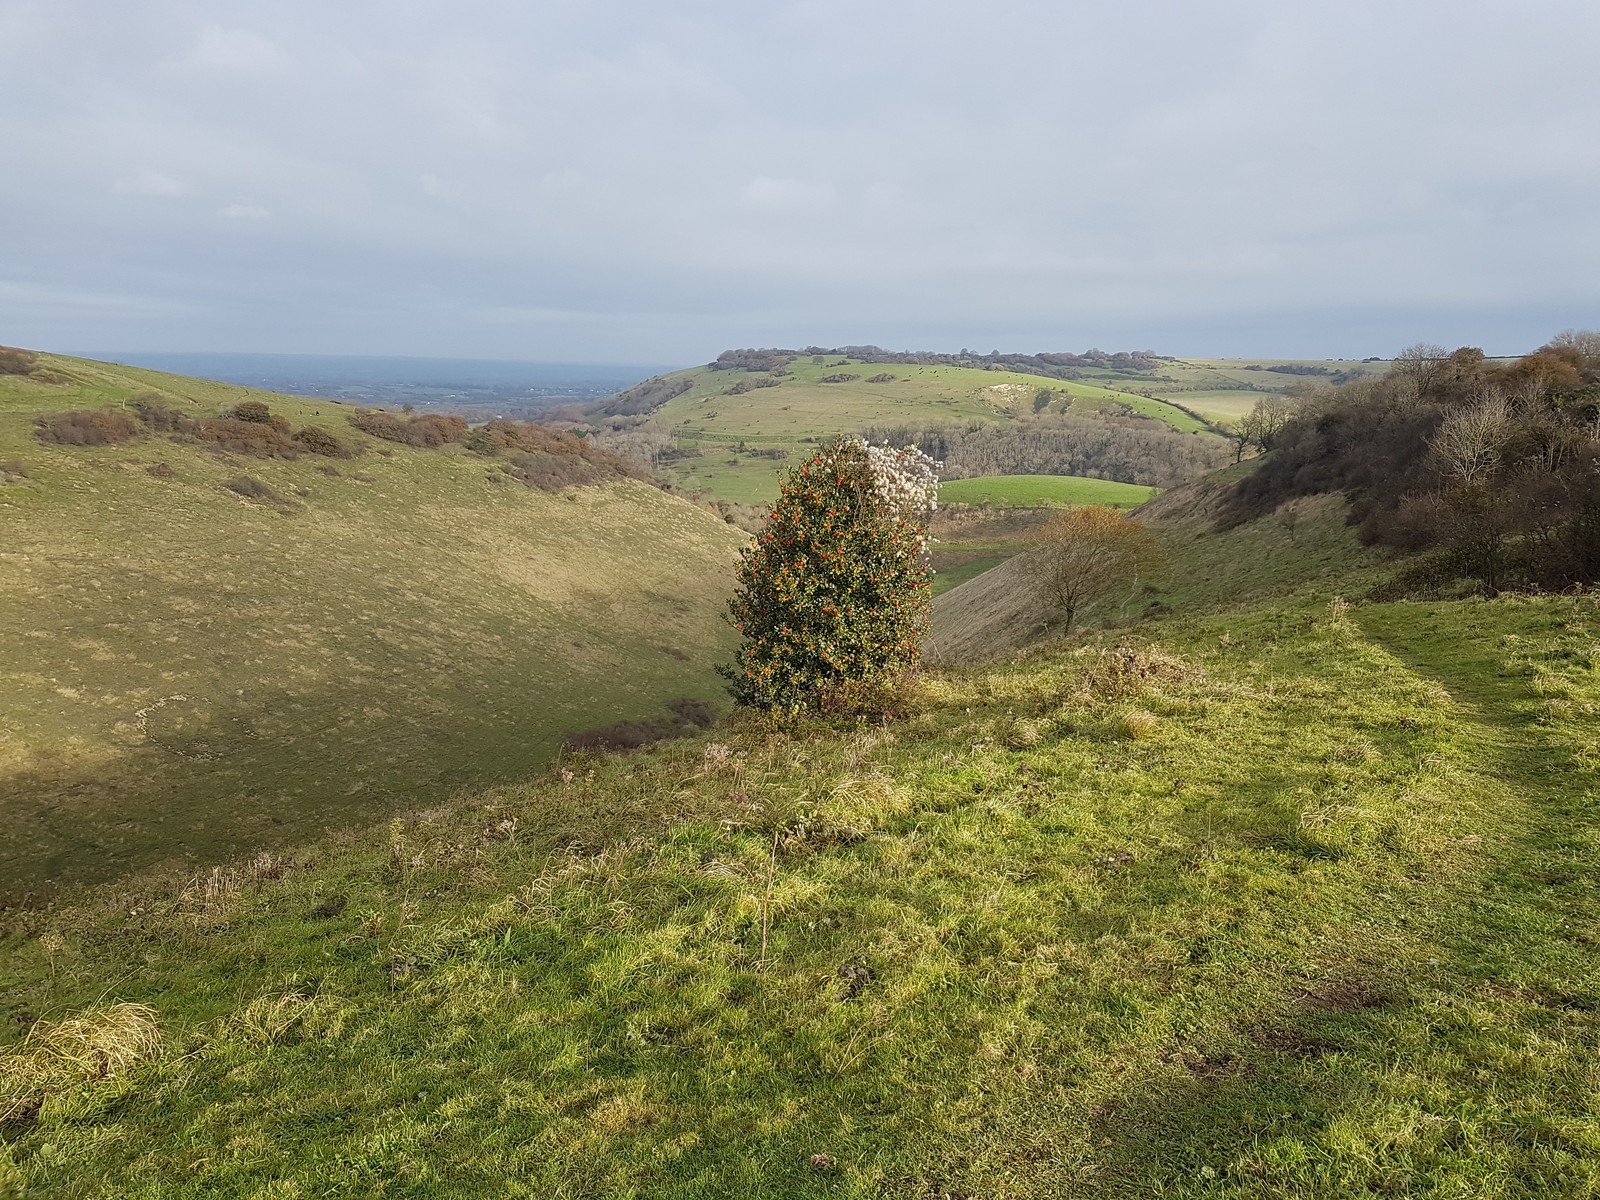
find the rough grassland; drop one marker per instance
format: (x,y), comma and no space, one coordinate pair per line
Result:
(1293,902)
(1033,491)
(190,672)
(802,410)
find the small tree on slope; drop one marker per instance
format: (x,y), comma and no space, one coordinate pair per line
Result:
(835,590)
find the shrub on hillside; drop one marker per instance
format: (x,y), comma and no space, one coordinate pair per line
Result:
(154,414)
(546,458)
(16,361)
(12,472)
(882,377)
(321,441)
(254,411)
(427,431)
(236,436)
(839,377)
(834,593)
(87,427)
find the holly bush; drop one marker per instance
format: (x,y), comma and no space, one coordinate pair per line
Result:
(835,591)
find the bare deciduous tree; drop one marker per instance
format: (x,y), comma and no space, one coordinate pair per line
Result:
(1091,552)
(1471,438)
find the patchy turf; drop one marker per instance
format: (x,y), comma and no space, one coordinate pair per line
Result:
(1287,902)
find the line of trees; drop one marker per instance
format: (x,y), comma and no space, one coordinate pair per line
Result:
(1133,449)
(1491,470)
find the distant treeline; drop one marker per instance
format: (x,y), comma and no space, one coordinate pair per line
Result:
(1052,366)
(1492,471)
(1125,449)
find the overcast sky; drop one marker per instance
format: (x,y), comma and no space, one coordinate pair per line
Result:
(635,181)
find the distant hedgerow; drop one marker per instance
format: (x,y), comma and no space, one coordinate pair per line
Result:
(835,590)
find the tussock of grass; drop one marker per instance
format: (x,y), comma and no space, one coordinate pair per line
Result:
(98,1044)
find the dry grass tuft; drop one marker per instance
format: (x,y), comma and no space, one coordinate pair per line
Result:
(1137,724)
(99,1043)
(1126,671)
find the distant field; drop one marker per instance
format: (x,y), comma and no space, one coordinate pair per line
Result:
(1225,389)
(187,671)
(1028,491)
(802,410)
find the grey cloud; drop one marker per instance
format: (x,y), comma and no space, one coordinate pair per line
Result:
(635,182)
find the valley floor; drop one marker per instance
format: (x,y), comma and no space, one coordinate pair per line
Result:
(1295,901)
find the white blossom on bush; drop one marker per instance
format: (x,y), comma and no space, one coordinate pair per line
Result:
(905,481)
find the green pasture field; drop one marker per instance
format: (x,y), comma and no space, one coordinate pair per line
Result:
(188,672)
(802,411)
(1293,901)
(1033,491)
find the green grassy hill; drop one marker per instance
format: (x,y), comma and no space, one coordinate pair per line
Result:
(189,671)
(1289,901)
(801,409)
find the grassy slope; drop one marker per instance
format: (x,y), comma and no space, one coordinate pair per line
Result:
(802,408)
(1032,491)
(190,672)
(1305,913)
(1306,548)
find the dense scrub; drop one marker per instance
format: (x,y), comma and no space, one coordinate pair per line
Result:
(1492,470)
(87,427)
(425,430)
(548,459)
(1126,449)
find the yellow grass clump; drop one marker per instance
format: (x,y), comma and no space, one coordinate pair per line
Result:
(98,1043)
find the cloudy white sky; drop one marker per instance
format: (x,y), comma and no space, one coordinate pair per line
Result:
(627,180)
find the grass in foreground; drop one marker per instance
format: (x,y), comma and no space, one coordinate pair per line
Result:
(1292,902)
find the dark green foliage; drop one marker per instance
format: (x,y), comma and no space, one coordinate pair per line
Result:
(832,592)
(87,427)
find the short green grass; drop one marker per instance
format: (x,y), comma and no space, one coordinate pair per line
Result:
(190,673)
(1290,902)
(1034,491)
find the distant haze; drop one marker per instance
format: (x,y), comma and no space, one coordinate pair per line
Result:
(634,182)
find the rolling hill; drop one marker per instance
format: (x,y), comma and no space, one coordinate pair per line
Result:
(733,442)
(209,650)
